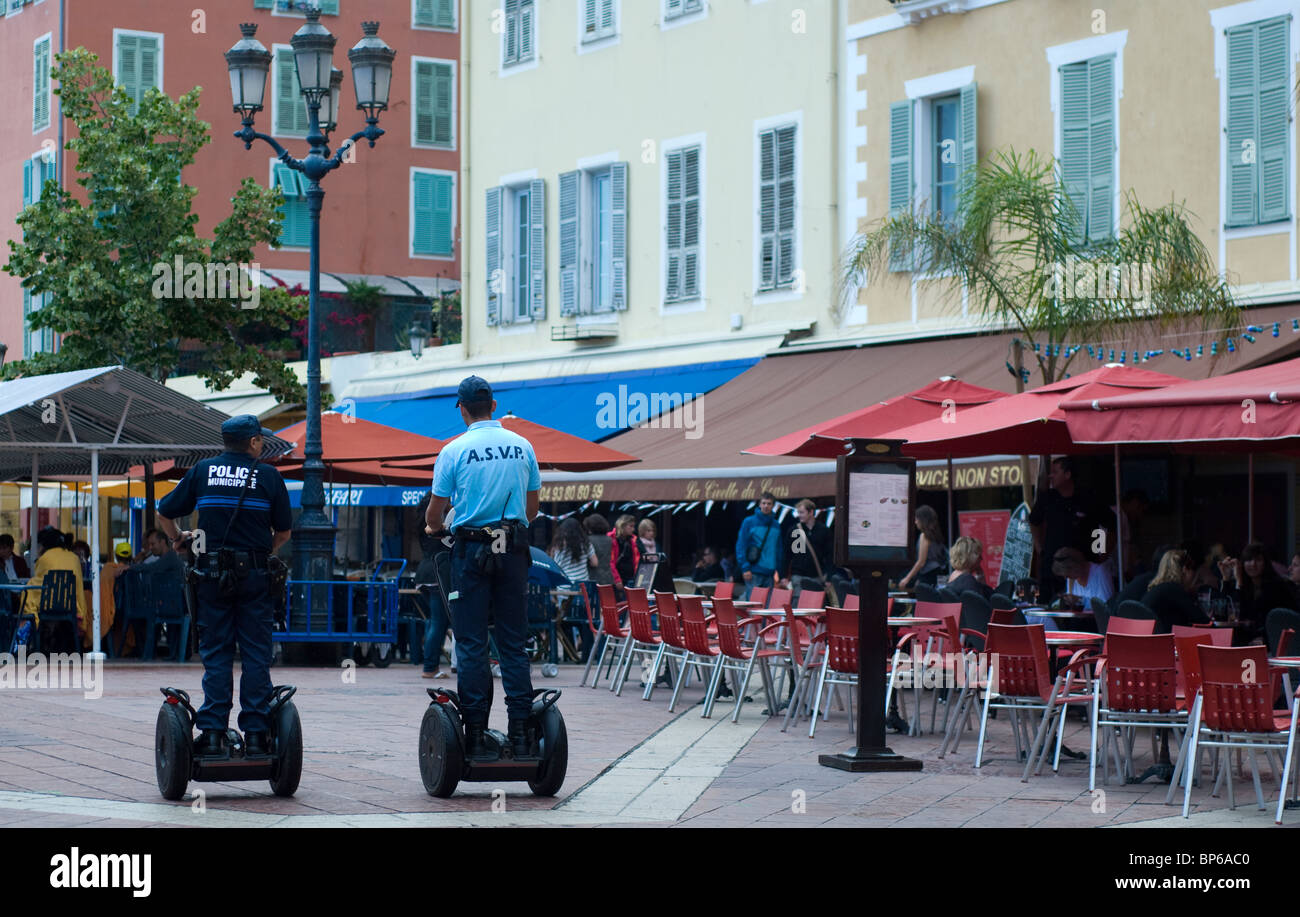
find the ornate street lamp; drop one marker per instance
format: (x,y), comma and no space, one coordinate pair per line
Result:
(416,336)
(320,82)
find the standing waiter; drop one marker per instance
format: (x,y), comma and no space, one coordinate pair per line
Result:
(241,503)
(490,477)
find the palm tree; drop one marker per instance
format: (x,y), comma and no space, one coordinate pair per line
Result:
(1016,248)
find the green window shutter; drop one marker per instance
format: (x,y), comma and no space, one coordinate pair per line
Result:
(968,126)
(1076,134)
(1242,127)
(329,7)
(28,182)
(900,172)
(618,231)
(263,4)
(149,70)
(444,14)
(423,13)
(424,92)
(1101,148)
(512,31)
(128,68)
(1274,120)
(432,197)
(537,249)
(526,14)
(492,253)
(41,86)
(442,104)
(570,182)
(291,110)
(27,311)
(295,230)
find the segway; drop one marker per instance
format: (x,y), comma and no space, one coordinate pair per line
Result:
(177,764)
(443,762)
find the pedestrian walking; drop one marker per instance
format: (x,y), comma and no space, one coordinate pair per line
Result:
(759,549)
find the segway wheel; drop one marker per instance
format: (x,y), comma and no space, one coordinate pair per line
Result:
(288,750)
(555,754)
(442,760)
(173,751)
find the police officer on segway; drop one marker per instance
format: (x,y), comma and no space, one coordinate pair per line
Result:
(244,517)
(490,476)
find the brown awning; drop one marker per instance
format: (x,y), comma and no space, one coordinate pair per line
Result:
(685,456)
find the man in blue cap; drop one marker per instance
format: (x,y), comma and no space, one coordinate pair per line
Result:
(489,476)
(244,517)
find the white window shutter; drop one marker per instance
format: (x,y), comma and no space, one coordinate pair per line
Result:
(512,31)
(968,129)
(537,249)
(492,251)
(786,205)
(767,209)
(618,231)
(674,229)
(526,14)
(900,172)
(570,183)
(691,194)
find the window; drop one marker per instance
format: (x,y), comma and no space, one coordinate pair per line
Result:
(776,207)
(682,258)
(137,63)
(932,148)
(432,213)
(515,252)
(675,9)
(520,33)
(289,117)
(36,171)
(593,240)
(1088,109)
(327,7)
(1258,123)
(434,90)
(597,20)
(434,14)
(295,230)
(41,84)
(36,340)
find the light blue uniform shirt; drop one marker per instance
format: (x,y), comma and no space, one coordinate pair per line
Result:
(486,472)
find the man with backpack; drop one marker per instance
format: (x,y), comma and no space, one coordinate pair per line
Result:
(759,549)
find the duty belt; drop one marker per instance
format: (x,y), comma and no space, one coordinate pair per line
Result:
(485,534)
(255,559)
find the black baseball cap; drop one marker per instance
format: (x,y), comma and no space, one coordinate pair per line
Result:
(244,426)
(473,390)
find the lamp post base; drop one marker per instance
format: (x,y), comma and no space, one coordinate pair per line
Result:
(869,760)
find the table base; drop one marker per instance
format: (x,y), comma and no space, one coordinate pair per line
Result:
(868,760)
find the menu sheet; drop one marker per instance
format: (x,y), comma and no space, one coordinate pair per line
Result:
(878,509)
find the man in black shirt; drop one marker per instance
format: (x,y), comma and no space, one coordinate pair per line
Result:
(810,550)
(244,517)
(1063,517)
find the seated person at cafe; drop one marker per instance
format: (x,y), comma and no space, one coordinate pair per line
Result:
(707,569)
(1252,582)
(1293,571)
(965,557)
(1083,578)
(13,565)
(1172,593)
(57,636)
(163,564)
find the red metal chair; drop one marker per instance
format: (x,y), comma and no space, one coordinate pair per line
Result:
(809,598)
(645,640)
(961,670)
(1139,677)
(1021,682)
(1218,636)
(838,661)
(1234,709)
(940,610)
(850,602)
(757,594)
(735,657)
(779,598)
(695,633)
(672,645)
(724,590)
(616,638)
(1003,616)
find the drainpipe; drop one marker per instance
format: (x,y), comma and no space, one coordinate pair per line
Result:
(465,221)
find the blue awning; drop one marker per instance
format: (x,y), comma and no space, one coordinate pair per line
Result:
(361,495)
(593,407)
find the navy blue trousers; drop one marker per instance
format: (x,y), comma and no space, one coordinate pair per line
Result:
(247,620)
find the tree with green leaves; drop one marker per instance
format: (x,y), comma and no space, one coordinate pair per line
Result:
(126,278)
(1018,249)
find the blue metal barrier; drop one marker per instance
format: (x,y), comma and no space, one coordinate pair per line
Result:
(330,611)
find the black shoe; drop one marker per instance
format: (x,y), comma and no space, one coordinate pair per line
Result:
(724,692)
(522,740)
(897,724)
(668,682)
(211,743)
(476,742)
(255,744)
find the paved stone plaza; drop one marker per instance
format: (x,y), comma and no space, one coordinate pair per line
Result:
(68,761)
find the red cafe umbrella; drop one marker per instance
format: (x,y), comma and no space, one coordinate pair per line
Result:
(826,439)
(345,438)
(555,450)
(1030,423)
(1257,405)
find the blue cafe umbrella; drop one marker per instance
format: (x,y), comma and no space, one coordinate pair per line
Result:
(546,571)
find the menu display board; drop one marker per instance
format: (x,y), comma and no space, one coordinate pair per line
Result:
(990,527)
(1017,547)
(874,511)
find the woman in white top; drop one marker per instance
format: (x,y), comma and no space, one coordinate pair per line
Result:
(571,550)
(1082,577)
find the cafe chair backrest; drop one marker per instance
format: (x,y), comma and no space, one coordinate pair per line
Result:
(851,602)
(670,622)
(1232,700)
(58,594)
(640,616)
(1019,655)
(1141,673)
(808,598)
(724,590)
(778,597)
(842,640)
(694,627)
(758,594)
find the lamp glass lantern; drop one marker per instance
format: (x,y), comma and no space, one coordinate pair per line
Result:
(249,63)
(313,56)
(330,103)
(417,336)
(372,70)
